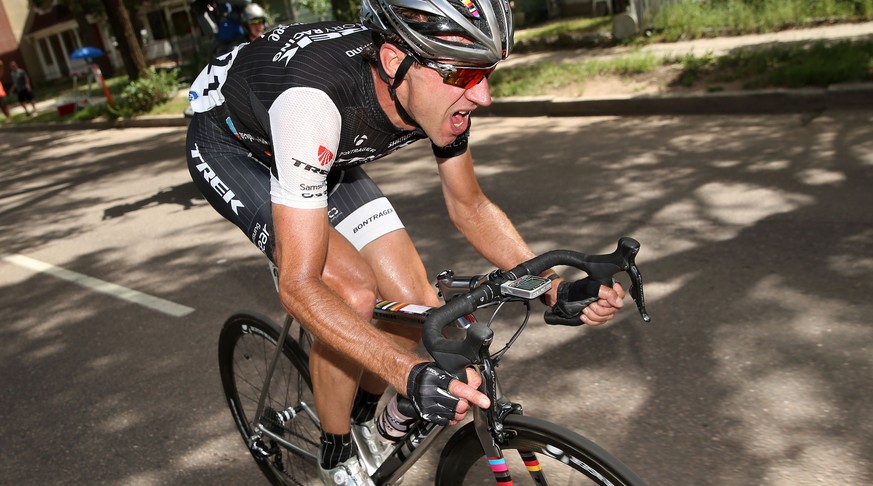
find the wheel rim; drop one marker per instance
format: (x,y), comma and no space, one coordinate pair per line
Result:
(287,408)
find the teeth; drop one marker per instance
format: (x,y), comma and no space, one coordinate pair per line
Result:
(463,114)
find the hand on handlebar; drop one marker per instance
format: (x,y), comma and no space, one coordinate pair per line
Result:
(441,398)
(609,301)
(585,301)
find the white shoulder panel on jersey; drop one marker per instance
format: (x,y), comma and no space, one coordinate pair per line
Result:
(205,93)
(305,125)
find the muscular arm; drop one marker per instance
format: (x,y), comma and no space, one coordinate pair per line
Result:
(492,234)
(301,254)
(481,222)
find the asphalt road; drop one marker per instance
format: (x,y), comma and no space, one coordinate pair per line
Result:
(756,234)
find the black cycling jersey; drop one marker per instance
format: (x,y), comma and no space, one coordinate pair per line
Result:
(274,118)
(302,100)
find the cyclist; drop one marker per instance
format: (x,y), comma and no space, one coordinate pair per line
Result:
(254,20)
(281,128)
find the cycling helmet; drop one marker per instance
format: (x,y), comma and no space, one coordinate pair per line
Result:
(423,25)
(253,11)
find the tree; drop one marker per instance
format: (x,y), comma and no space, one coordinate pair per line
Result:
(128,43)
(348,10)
(119,20)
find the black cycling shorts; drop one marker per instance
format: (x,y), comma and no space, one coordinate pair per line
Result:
(237,185)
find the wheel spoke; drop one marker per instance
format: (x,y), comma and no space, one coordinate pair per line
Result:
(246,349)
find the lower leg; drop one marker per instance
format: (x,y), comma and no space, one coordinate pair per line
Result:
(334,382)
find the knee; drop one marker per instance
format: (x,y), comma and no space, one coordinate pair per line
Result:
(357,288)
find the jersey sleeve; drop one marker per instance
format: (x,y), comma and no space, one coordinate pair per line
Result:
(305,125)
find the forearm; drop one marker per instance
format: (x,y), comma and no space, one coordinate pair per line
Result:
(333,322)
(491,233)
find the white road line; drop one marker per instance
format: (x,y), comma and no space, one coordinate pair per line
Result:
(124,293)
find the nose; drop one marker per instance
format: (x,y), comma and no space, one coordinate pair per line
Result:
(480,94)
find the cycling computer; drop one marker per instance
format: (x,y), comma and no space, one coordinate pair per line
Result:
(528,287)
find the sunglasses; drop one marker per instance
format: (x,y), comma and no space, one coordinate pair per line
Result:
(462,77)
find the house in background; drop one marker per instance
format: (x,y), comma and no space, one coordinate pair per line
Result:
(41,40)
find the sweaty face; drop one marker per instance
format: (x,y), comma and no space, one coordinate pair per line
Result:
(442,110)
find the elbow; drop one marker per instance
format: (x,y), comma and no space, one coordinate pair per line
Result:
(302,291)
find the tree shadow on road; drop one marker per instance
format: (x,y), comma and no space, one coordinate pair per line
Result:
(756,253)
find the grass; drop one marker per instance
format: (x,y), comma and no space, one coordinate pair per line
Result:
(541,78)
(63,89)
(690,20)
(574,26)
(789,66)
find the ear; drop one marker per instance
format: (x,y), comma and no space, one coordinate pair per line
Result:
(390,56)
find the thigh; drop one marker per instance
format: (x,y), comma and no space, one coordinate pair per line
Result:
(365,217)
(236,184)
(359,210)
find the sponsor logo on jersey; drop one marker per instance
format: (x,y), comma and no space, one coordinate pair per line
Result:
(309,191)
(402,139)
(192,95)
(354,52)
(300,40)
(372,218)
(359,140)
(260,236)
(217,184)
(307,167)
(325,156)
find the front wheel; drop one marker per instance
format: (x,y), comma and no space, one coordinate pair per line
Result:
(536,451)
(285,440)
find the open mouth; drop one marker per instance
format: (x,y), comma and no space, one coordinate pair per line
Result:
(459,121)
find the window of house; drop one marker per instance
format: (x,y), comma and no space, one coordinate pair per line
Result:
(44,48)
(158,25)
(181,24)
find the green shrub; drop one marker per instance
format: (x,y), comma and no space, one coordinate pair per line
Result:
(706,18)
(150,90)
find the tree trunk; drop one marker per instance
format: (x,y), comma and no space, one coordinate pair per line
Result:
(122,29)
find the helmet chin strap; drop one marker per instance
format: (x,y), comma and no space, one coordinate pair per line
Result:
(407,63)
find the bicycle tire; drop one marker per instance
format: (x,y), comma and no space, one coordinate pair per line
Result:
(565,457)
(246,348)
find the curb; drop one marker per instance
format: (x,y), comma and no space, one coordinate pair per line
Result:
(139,122)
(769,102)
(773,102)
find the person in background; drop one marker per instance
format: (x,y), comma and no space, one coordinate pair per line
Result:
(3,104)
(21,85)
(254,21)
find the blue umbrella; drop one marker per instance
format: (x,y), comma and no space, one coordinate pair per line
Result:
(86,52)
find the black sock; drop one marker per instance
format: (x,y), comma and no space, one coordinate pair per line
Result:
(365,406)
(335,448)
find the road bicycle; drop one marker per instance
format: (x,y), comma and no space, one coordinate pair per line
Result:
(265,375)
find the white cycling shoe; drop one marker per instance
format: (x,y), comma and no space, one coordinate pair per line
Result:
(349,473)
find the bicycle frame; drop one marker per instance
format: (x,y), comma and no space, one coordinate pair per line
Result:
(423,435)
(501,426)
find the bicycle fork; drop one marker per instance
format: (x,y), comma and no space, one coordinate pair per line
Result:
(488,425)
